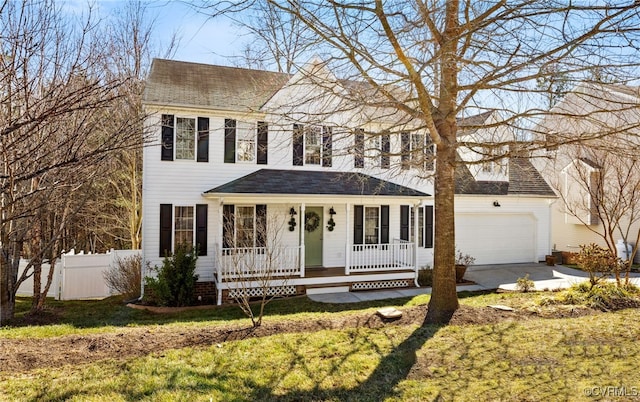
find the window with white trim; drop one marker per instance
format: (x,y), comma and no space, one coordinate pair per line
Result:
(245,142)
(183,225)
(185,138)
(312,145)
(374,150)
(371,225)
(245,226)
(493,166)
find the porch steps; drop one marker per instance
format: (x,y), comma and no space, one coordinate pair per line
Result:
(326,289)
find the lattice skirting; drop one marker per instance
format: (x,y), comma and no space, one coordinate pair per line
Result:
(402,283)
(256,292)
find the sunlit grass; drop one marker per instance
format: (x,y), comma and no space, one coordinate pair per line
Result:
(537,359)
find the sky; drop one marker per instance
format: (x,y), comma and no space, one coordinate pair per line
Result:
(202,39)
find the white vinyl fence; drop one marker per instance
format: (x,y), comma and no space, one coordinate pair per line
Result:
(77,276)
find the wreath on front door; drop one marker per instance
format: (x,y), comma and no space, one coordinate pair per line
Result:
(311,221)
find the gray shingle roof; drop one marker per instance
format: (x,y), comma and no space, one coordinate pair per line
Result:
(299,182)
(524,179)
(180,83)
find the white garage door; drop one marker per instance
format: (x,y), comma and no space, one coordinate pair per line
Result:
(497,238)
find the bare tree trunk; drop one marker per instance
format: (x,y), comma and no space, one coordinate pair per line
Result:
(444,298)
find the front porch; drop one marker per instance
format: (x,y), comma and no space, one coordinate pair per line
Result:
(281,270)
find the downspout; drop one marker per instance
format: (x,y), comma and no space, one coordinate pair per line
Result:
(415,241)
(550,248)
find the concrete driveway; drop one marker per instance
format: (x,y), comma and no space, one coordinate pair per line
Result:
(504,276)
(545,277)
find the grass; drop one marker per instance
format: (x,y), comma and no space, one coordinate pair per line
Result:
(529,360)
(536,359)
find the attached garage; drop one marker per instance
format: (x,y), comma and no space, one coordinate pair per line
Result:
(497,238)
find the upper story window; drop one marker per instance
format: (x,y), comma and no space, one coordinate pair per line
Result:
(184,138)
(312,145)
(493,165)
(416,151)
(245,142)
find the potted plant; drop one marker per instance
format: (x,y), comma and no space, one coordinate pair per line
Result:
(462,262)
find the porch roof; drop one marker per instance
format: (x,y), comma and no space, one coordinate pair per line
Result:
(304,182)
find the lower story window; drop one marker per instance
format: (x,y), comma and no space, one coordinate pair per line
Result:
(412,225)
(245,226)
(371,225)
(183,226)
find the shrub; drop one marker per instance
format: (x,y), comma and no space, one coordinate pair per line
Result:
(603,296)
(464,259)
(525,284)
(597,261)
(125,276)
(425,276)
(175,282)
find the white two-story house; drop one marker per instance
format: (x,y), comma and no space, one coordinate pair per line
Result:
(278,182)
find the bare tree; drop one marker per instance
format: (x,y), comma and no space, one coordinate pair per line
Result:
(257,265)
(449,58)
(56,96)
(277,39)
(600,190)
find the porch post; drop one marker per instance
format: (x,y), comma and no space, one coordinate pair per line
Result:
(347,251)
(218,257)
(415,242)
(302,248)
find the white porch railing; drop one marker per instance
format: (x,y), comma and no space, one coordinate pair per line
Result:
(258,262)
(397,255)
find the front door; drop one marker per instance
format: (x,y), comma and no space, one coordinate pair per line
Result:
(313,229)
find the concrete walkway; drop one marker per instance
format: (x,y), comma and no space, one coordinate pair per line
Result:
(486,277)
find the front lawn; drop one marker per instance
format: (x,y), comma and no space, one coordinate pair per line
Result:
(521,358)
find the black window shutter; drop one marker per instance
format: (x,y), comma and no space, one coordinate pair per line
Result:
(201,228)
(327,145)
(167,137)
(358,156)
(428,226)
(229,141)
(385,148)
(228,226)
(166,226)
(404,222)
(430,154)
(405,154)
(298,145)
(384,224)
(261,225)
(203,140)
(358,224)
(263,142)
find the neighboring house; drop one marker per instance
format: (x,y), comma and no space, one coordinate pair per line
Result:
(590,160)
(242,161)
